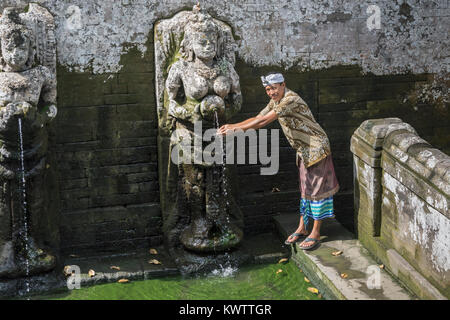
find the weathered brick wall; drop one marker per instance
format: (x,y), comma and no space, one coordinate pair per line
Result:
(402,197)
(105,141)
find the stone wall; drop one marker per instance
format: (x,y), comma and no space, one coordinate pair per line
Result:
(402,193)
(105,141)
(105,134)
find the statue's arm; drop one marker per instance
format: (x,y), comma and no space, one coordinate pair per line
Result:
(48,93)
(235,95)
(173,83)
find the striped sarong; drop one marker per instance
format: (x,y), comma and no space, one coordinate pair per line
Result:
(316,209)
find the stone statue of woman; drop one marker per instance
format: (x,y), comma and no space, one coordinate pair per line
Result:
(202,87)
(27,104)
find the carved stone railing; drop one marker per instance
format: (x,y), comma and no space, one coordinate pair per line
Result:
(401,198)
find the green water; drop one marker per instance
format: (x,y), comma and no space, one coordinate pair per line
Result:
(252,282)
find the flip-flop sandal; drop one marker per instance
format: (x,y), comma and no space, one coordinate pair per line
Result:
(312,246)
(298,235)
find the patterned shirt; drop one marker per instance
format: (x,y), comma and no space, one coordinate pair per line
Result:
(300,128)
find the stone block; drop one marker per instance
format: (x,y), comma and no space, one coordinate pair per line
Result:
(413,279)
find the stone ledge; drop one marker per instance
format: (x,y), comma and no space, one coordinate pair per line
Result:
(367,140)
(373,131)
(405,272)
(324,269)
(421,158)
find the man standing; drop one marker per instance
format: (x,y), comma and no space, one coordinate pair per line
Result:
(318,182)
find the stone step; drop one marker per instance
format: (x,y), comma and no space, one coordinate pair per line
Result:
(363,279)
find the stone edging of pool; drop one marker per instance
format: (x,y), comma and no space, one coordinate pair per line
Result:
(263,248)
(347,276)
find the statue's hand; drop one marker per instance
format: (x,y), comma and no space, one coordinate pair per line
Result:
(16,109)
(6,173)
(210,105)
(51,112)
(178,111)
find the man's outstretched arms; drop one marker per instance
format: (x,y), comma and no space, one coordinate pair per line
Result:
(251,123)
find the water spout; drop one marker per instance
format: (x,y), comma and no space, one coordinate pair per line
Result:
(24,232)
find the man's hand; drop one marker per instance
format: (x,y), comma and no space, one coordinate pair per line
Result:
(226,129)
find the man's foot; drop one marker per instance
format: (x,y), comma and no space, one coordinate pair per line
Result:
(310,242)
(293,238)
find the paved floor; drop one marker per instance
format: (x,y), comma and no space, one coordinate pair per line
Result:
(352,275)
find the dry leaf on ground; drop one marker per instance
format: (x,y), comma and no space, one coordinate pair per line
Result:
(279,271)
(66,271)
(313,290)
(91,273)
(153,251)
(154,261)
(381,266)
(307,280)
(115,267)
(123,280)
(336,253)
(344,275)
(283,260)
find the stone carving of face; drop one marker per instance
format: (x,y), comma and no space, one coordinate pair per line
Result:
(15,49)
(205,45)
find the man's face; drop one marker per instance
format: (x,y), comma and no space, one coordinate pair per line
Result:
(275,91)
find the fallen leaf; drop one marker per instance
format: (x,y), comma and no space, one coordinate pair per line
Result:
(66,271)
(344,275)
(279,271)
(153,251)
(313,290)
(336,253)
(115,267)
(123,280)
(275,189)
(283,260)
(307,280)
(154,261)
(381,266)
(91,273)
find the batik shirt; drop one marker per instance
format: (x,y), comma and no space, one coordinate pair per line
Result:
(300,128)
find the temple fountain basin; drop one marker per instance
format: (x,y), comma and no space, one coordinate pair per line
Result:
(263,250)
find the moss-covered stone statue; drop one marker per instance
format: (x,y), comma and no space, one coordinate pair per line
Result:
(27,104)
(196,85)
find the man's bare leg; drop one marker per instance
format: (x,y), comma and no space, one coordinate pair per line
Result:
(315,234)
(301,229)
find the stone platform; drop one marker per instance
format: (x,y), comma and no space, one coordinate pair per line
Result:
(355,264)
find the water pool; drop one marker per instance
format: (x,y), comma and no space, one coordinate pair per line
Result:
(259,282)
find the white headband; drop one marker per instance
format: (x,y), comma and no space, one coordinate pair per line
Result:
(272,78)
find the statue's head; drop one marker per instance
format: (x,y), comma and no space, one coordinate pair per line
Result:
(201,37)
(15,43)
